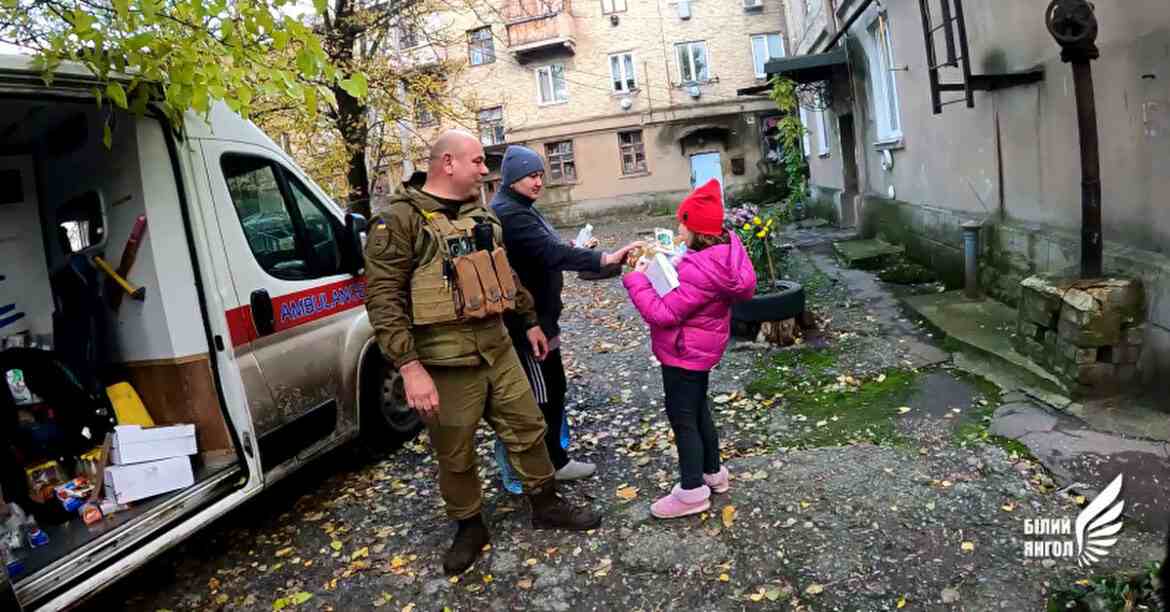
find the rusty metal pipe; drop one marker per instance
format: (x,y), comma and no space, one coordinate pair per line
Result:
(1091,243)
(971,259)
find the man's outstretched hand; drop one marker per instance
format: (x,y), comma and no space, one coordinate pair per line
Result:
(539,343)
(618,256)
(421,394)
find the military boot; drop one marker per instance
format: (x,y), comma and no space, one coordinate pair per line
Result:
(470,539)
(551,511)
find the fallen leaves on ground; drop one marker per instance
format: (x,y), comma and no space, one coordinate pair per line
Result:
(627,493)
(295,599)
(728,516)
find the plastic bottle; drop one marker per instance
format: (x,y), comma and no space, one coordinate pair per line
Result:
(565,430)
(584,236)
(507,475)
(13,563)
(36,536)
(15,534)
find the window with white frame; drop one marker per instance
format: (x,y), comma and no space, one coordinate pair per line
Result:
(824,142)
(491,126)
(481,48)
(613,6)
(561,166)
(766,47)
(551,87)
(880,50)
(692,62)
(805,140)
(621,70)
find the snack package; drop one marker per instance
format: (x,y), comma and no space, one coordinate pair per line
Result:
(664,238)
(74,493)
(637,253)
(42,479)
(91,512)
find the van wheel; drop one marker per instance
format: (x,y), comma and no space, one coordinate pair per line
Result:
(385,416)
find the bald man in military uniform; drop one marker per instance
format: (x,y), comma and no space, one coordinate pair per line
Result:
(438,286)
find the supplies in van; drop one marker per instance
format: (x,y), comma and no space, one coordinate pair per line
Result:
(149,461)
(74,493)
(42,479)
(137,444)
(128,406)
(128,483)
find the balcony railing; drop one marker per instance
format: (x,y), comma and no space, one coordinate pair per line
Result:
(538,25)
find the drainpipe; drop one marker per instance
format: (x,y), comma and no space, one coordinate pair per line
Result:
(971,259)
(1074,26)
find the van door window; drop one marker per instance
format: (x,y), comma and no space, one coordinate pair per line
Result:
(288,231)
(320,228)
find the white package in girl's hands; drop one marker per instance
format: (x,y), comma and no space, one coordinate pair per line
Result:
(662,274)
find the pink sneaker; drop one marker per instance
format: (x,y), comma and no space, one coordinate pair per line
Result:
(682,502)
(719,482)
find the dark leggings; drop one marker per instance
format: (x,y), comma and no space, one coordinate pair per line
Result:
(548,382)
(690,418)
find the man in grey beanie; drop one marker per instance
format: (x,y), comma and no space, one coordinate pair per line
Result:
(539,256)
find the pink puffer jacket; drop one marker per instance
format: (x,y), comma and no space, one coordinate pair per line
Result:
(691,325)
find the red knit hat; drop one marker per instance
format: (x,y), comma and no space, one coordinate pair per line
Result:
(702,211)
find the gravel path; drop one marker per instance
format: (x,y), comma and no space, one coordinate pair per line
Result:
(927,519)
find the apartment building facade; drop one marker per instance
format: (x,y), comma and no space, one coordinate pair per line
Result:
(902,152)
(629,101)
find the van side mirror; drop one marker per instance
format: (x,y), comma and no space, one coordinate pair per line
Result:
(355,242)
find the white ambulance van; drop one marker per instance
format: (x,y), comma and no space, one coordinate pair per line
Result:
(190,280)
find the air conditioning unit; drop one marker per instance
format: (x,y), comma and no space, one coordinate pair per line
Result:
(684,9)
(753,4)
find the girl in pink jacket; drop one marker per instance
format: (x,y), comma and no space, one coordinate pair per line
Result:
(689,330)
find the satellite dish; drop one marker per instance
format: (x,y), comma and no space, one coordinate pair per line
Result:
(626,103)
(695,91)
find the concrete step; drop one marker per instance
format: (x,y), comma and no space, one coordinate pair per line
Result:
(984,326)
(866,254)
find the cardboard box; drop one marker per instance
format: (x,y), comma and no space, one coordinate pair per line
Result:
(128,483)
(136,444)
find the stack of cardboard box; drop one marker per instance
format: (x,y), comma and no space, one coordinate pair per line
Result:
(149,461)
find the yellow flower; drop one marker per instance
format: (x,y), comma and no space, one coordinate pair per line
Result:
(747,227)
(756,220)
(761,233)
(769,224)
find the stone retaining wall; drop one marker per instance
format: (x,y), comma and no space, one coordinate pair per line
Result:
(1010,253)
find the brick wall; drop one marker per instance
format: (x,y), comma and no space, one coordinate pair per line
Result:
(593,113)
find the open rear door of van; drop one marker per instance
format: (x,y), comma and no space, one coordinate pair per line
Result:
(163,346)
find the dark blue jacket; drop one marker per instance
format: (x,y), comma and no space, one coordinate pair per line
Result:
(538,255)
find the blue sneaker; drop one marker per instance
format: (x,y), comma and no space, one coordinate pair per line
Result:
(507,476)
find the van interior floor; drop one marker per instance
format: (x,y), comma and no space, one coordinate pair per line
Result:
(70,536)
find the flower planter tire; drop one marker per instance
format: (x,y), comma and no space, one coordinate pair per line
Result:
(787,302)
